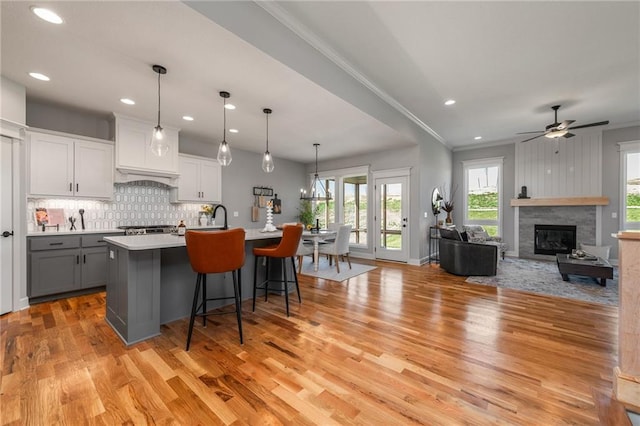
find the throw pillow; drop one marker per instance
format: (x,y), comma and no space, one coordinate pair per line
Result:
(599,251)
(477,238)
(464,235)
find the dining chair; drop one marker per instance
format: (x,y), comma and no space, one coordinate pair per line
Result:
(286,249)
(214,253)
(303,250)
(340,247)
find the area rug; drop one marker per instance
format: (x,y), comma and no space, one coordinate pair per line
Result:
(543,277)
(329,272)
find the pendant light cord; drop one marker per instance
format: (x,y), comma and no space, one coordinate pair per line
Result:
(267,132)
(158,99)
(224,119)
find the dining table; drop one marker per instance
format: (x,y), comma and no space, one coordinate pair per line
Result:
(317,238)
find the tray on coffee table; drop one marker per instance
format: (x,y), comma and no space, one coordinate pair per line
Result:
(598,268)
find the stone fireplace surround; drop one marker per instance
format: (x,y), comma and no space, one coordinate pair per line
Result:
(583,217)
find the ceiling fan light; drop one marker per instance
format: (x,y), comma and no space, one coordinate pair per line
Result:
(556,134)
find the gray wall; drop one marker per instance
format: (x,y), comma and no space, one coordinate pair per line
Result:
(65,119)
(238,179)
(245,172)
(611,181)
(430,164)
(12,101)
(508,152)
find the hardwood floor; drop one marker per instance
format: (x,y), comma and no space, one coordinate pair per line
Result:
(397,345)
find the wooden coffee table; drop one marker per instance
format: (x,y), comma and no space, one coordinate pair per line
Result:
(598,268)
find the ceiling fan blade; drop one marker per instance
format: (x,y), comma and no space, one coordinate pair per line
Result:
(526,133)
(565,124)
(530,139)
(568,135)
(599,123)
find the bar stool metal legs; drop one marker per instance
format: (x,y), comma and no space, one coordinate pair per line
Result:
(264,285)
(201,287)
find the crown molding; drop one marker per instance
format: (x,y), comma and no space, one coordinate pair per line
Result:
(286,19)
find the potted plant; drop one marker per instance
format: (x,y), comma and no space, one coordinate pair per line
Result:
(447,204)
(306,214)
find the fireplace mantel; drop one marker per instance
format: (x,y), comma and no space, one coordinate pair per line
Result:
(559,201)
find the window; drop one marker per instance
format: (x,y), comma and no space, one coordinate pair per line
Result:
(349,204)
(325,210)
(482,194)
(354,207)
(630,185)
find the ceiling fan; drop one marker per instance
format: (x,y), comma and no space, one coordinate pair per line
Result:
(558,130)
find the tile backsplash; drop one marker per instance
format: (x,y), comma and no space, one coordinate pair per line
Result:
(134,203)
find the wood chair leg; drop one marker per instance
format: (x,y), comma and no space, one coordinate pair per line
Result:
(348,259)
(337,263)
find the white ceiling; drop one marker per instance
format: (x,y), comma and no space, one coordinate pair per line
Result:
(505,63)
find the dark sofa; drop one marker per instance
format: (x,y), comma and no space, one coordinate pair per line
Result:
(463,258)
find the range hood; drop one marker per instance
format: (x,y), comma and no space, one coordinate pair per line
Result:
(126,176)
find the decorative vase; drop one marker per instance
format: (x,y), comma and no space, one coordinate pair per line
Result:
(268,227)
(448,220)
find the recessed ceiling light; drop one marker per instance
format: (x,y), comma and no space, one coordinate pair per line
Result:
(46,14)
(128,101)
(187,118)
(39,76)
(230,106)
(233,130)
(449,102)
(478,138)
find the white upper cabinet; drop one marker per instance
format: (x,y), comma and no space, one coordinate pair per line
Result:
(200,180)
(67,166)
(133,149)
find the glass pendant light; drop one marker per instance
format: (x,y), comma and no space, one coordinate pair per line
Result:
(159,145)
(317,191)
(267,159)
(224,152)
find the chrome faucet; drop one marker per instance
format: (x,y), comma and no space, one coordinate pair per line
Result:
(213,215)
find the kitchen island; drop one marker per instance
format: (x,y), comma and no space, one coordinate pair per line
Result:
(150,281)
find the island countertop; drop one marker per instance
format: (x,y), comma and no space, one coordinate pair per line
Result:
(160,241)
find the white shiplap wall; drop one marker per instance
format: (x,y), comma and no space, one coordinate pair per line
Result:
(574,171)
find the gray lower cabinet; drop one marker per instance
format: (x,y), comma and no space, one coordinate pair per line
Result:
(54,271)
(67,263)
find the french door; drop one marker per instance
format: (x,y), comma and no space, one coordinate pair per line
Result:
(391,222)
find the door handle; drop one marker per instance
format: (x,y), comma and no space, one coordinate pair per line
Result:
(7,234)
(84,258)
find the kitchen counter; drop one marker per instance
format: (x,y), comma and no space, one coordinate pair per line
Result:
(51,232)
(161,241)
(150,281)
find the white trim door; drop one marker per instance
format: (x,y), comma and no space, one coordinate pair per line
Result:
(6,225)
(391,218)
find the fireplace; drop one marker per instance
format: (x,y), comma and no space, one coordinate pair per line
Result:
(552,239)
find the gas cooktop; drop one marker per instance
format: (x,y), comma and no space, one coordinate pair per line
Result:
(147,229)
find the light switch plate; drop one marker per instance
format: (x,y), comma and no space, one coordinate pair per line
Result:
(235,214)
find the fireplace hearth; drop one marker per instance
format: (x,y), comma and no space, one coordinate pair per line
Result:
(552,239)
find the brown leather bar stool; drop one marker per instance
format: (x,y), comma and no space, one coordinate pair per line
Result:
(287,248)
(215,252)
